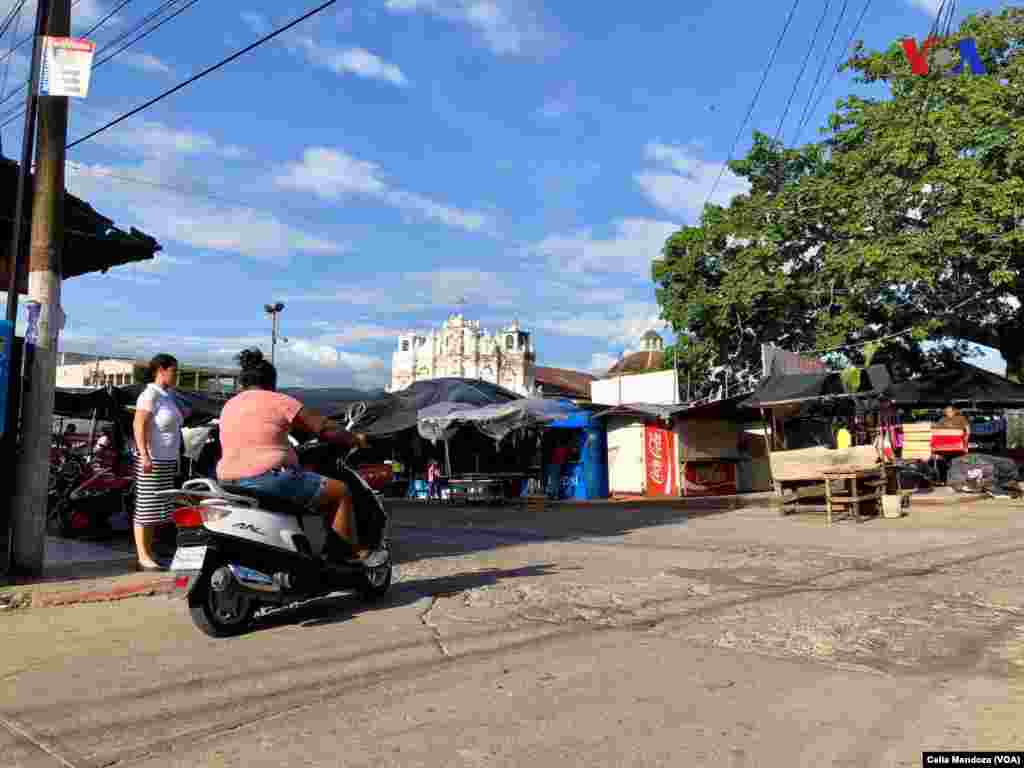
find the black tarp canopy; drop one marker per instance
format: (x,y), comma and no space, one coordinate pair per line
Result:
(109,402)
(386,413)
(959,383)
(804,387)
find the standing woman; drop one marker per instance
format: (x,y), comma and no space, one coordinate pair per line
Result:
(157,428)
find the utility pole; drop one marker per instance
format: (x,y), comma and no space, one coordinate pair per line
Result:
(16,264)
(46,316)
(273,310)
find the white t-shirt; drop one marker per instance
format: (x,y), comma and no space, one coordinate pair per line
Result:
(163,433)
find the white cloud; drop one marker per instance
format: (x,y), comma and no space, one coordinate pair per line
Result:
(351,61)
(83,15)
(621,324)
(256,22)
(601,362)
(931,7)
(684,180)
(342,61)
(635,244)
(145,62)
(423,291)
(152,138)
(507,27)
(333,174)
(301,361)
(176,217)
(355,334)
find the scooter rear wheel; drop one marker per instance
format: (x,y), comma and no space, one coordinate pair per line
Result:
(217,614)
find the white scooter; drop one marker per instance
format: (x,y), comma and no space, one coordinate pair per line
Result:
(240,551)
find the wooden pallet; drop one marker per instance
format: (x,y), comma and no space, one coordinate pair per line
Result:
(917,441)
(536,504)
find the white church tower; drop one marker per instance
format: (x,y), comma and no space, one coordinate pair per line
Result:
(462,349)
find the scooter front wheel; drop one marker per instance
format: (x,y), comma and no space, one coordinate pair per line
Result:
(220,614)
(374,583)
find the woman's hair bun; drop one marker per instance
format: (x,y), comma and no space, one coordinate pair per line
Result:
(250,359)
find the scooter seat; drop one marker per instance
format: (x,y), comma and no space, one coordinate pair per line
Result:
(267,501)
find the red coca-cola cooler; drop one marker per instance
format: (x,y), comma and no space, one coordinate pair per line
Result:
(949,441)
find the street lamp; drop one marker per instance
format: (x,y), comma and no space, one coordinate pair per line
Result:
(273,310)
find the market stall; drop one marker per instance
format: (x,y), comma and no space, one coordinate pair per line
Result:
(532,420)
(801,414)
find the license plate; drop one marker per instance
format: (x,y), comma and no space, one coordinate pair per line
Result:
(189,559)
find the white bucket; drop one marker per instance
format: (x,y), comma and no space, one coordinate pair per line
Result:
(894,505)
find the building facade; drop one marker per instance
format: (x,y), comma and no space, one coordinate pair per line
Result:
(461,348)
(83,372)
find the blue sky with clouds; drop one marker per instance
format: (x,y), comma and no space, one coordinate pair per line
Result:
(392,161)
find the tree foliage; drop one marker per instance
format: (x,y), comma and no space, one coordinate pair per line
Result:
(903,224)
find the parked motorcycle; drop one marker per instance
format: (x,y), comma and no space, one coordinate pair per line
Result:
(103,487)
(241,551)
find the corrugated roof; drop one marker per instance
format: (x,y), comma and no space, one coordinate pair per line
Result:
(564,379)
(91,243)
(639,362)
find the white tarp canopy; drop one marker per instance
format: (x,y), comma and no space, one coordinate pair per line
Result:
(440,421)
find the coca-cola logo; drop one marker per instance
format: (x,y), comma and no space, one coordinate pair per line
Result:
(656,458)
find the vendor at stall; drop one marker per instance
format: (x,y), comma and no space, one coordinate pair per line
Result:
(559,458)
(953,419)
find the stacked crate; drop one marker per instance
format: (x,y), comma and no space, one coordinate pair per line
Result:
(917,441)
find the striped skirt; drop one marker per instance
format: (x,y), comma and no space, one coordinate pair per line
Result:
(151,509)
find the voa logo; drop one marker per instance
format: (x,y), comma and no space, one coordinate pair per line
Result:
(918,57)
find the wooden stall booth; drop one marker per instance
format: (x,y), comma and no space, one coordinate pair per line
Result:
(801,414)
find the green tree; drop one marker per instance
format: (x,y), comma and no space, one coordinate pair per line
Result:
(905,219)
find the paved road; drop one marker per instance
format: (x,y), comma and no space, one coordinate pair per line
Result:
(599,638)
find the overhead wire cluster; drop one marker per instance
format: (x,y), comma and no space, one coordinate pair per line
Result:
(134,34)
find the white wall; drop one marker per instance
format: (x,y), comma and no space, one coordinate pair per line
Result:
(657,388)
(625,455)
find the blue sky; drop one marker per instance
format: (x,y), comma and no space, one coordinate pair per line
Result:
(389,162)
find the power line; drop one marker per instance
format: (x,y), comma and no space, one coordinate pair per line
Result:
(106,18)
(11,16)
(799,77)
(145,34)
(839,63)
(14,114)
(26,39)
(178,189)
(805,115)
(753,102)
(14,34)
(204,73)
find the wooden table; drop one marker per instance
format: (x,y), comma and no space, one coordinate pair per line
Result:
(860,486)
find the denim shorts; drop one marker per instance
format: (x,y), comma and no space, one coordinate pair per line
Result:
(293,484)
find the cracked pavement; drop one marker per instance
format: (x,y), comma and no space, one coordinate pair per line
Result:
(592,637)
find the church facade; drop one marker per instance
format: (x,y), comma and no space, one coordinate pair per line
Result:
(461,348)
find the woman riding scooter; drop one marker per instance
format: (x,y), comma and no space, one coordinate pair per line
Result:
(256,454)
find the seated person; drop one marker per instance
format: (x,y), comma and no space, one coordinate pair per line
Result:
(255,426)
(953,419)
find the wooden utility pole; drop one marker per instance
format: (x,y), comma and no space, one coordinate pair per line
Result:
(46,318)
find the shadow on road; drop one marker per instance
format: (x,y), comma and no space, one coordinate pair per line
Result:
(340,608)
(427,531)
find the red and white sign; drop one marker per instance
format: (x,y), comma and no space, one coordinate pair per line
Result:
(713,478)
(659,449)
(66,66)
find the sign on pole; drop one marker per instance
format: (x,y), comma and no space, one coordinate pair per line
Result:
(66,66)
